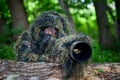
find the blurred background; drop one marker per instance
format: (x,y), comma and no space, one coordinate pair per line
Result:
(99,19)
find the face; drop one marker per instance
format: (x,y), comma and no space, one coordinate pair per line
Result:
(50,34)
(46,36)
(50,31)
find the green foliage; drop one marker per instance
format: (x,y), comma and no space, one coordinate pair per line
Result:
(6,42)
(117,47)
(6,35)
(4,12)
(101,56)
(6,52)
(8,32)
(36,7)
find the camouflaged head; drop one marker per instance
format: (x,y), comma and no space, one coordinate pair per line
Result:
(49,19)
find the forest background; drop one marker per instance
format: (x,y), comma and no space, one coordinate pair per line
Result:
(99,19)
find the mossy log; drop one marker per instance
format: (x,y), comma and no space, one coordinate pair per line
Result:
(12,70)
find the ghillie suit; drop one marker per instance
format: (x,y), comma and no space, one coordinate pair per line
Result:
(47,41)
(32,44)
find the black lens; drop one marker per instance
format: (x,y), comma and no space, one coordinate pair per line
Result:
(81,51)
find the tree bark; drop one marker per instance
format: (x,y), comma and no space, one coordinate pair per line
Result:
(11,70)
(18,14)
(2,23)
(65,8)
(117,5)
(105,37)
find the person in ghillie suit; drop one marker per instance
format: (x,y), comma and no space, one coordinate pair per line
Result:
(47,40)
(32,44)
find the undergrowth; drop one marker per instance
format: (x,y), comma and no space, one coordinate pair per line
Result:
(100,56)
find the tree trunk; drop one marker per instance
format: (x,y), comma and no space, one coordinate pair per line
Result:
(117,5)
(65,8)
(2,23)
(105,37)
(11,70)
(18,14)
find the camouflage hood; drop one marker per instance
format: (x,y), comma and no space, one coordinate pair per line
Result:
(49,19)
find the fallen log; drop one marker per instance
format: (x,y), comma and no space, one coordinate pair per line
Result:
(105,71)
(12,70)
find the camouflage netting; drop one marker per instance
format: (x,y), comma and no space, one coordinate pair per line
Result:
(47,41)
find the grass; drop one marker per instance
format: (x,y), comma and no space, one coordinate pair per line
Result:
(101,56)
